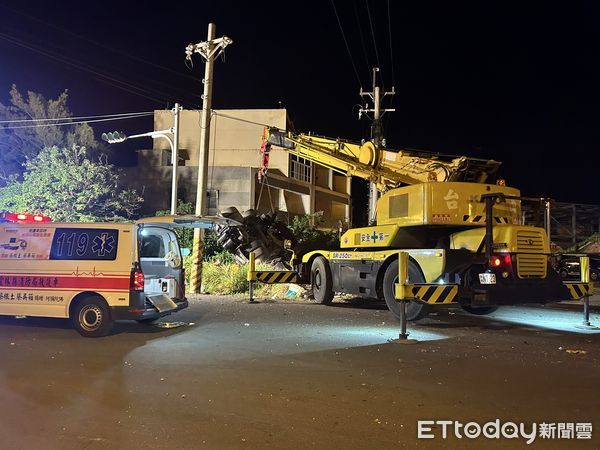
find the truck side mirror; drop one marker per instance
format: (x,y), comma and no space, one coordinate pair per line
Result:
(185,251)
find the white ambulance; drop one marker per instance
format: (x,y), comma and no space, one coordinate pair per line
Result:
(93,273)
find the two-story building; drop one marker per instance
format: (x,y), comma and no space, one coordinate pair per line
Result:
(293,185)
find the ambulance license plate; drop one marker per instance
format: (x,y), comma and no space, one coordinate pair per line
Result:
(487,278)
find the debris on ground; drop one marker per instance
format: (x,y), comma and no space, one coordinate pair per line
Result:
(294,292)
(576,351)
(169,324)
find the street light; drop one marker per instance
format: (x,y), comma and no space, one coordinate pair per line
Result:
(170,134)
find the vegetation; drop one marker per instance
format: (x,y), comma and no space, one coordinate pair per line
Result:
(309,237)
(66,185)
(20,142)
(230,279)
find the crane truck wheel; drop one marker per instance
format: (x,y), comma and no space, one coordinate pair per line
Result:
(482,311)
(321,281)
(414,310)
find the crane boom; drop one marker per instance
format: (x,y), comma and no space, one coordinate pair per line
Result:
(388,169)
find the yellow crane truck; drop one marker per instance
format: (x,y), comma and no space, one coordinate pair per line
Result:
(462,232)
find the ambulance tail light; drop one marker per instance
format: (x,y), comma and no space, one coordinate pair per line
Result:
(137,280)
(23,218)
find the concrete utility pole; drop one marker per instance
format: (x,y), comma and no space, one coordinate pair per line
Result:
(376,133)
(208,49)
(175,158)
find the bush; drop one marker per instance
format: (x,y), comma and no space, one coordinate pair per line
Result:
(224,279)
(309,237)
(230,278)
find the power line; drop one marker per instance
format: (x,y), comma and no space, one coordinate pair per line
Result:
(65,60)
(362,38)
(142,113)
(346,42)
(391,45)
(40,125)
(106,47)
(373,34)
(239,119)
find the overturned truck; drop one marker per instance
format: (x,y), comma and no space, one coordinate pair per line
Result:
(262,234)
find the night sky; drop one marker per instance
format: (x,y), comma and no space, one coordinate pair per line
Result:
(514,81)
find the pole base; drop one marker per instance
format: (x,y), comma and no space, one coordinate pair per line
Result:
(587,326)
(404,341)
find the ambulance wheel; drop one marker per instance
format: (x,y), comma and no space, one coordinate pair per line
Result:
(91,317)
(322,281)
(414,310)
(482,311)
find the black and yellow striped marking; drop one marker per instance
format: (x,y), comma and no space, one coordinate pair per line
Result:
(435,293)
(579,290)
(278,276)
(481,219)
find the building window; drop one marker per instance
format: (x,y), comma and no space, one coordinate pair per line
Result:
(300,169)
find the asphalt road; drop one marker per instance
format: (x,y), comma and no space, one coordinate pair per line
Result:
(295,375)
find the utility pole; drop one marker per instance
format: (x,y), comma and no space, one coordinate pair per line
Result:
(208,49)
(376,133)
(175,158)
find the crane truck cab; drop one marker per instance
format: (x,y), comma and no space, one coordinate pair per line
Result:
(93,273)
(456,234)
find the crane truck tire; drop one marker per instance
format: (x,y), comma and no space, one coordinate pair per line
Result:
(414,310)
(483,311)
(321,280)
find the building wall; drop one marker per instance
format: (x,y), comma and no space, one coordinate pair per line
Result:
(234,160)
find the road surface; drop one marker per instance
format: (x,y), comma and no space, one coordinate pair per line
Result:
(288,375)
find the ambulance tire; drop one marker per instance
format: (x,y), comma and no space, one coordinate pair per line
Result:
(322,281)
(414,310)
(91,317)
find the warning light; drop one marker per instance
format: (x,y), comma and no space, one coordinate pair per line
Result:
(23,218)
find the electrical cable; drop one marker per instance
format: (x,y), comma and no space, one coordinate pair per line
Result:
(104,46)
(142,113)
(72,123)
(80,66)
(391,45)
(346,42)
(373,36)
(362,38)
(239,119)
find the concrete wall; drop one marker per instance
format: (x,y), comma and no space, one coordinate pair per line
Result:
(232,142)
(234,159)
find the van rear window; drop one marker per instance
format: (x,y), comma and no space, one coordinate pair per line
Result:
(84,243)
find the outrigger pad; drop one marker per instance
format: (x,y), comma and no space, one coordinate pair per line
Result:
(162,302)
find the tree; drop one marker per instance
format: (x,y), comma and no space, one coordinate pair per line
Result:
(17,145)
(65,184)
